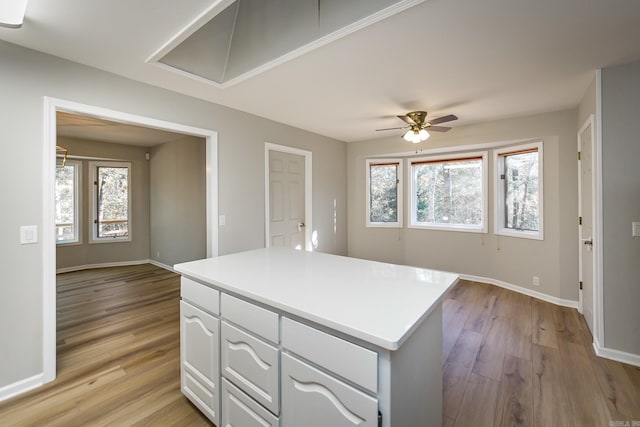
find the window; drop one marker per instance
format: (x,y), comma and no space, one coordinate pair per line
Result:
(449,193)
(384,193)
(111,196)
(67,206)
(519,191)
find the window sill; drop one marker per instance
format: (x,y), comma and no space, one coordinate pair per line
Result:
(110,240)
(533,235)
(459,228)
(383,225)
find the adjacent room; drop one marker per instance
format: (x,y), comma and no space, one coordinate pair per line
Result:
(308,213)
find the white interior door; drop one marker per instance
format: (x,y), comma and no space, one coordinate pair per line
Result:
(586,229)
(286,200)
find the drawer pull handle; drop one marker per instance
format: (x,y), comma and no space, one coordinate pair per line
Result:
(241,346)
(320,389)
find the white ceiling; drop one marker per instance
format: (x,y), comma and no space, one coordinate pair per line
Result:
(480,60)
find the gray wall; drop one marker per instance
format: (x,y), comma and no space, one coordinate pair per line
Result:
(513,260)
(621,206)
(27,76)
(138,248)
(178,201)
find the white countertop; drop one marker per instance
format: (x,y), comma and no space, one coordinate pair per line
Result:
(376,302)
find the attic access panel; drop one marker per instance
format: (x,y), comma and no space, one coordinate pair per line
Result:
(237,39)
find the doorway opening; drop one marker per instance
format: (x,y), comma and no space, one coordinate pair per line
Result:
(51,109)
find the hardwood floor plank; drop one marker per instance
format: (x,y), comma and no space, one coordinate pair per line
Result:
(588,408)
(543,327)
(454,316)
(457,369)
(481,311)
(551,405)
(490,358)
(515,400)
(479,402)
(519,334)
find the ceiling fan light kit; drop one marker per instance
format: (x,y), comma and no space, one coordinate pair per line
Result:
(416,135)
(417,125)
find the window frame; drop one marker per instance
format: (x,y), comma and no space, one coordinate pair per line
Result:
(413,223)
(499,191)
(399,187)
(77,188)
(93,176)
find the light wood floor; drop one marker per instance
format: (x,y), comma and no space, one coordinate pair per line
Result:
(512,360)
(118,354)
(508,360)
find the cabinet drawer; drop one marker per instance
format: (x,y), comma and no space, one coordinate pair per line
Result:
(200,295)
(256,319)
(346,359)
(312,398)
(252,365)
(239,410)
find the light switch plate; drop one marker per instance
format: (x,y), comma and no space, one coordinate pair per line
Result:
(635,229)
(28,234)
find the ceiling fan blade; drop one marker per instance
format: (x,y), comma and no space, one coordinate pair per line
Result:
(408,120)
(443,119)
(438,128)
(403,127)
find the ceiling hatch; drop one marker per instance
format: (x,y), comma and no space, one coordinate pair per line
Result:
(235,40)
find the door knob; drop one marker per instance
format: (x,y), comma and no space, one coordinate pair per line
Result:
(300,226)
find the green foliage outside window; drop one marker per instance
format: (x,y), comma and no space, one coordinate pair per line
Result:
(383,181)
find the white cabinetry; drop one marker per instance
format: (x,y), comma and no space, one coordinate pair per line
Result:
(199,357)
(284,338)
(312,398)
(239,410)
(251,364)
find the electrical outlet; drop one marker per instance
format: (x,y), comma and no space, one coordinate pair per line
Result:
(536,281)
(635,229)
(158,254)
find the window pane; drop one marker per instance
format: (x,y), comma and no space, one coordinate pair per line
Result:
(113,202)
(384,193)
(521,191)
(448,193)
(65,210)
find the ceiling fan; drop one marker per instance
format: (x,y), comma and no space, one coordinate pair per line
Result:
(418,127)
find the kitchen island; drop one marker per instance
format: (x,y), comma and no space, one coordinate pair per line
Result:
(291,338)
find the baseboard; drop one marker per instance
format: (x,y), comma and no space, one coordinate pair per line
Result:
(161,265)
(102,265)
(521,290)
(617,355)
(19,387)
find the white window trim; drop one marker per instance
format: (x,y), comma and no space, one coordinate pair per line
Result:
(93,167)
(482,228)
(77,197)
(498,192)
(399,201)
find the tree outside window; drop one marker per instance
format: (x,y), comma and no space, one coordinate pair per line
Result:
(519,191)
(449,193)
(67,203)
(384,193)
(111,201)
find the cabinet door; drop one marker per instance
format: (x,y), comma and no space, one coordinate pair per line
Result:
(312,398)
(252,365)
(239,410)
(199,357)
